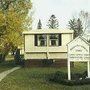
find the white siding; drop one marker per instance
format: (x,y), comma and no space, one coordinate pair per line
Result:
(41,52)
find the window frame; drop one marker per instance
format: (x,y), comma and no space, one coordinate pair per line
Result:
(39,39)
(58,40)
(47,40)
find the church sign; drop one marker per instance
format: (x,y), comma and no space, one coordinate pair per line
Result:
(78,51)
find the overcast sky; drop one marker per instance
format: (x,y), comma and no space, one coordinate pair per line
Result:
(62,9)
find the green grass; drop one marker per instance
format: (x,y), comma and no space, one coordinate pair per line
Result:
(35,79)
(6,65)
(79,67)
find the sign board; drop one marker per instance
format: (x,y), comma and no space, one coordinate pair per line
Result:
(78,53)
(78,50)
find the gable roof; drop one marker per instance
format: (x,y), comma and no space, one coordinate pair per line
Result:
(80,38)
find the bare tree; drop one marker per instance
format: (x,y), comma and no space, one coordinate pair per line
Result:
(85,18)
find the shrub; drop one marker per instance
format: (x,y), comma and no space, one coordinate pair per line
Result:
(17,56)
(19,59)
(47,62)
(77,82)
(57,77)
(84,75)
(60,77)
(76,76)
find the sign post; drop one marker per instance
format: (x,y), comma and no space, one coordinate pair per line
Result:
(69,71)
(88,68)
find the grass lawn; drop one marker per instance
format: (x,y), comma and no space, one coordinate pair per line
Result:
(6,65)
(34,79)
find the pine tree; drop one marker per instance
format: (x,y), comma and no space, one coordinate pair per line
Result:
(53,22)
(76,25)
(79,27)
(72,24)
(39,26)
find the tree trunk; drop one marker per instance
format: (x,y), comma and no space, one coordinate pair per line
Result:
(2,57)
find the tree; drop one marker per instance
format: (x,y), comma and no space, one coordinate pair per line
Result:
(53,22)
(39,26)
(79,27)
(72,24)
(13,15)
(76,25)
(85,18)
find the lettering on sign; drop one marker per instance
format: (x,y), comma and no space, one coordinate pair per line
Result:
(78,52)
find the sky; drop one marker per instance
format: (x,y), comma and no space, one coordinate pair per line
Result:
(64,10)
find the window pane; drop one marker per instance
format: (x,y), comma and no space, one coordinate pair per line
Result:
(60,40)
(42,40)
(42,43)
(53,38)
(53,42)
(35,40)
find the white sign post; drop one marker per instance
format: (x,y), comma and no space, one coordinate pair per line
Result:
(69,71)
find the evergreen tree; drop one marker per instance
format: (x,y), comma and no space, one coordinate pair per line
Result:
(39,26)
(53,22)
(76,25)
(79,27)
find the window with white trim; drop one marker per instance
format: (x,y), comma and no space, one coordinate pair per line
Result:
(55,40)
(40,40)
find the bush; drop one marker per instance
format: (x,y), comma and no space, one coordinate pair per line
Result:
(47,62)
(17,56)
(76,82)
(60,77)
(57,77)
(76,76)
(19,59)
(22,56)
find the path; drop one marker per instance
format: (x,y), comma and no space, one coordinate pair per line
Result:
(5,73)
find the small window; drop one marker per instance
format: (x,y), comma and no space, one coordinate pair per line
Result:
(35,39)
(60,40)
(40,40)
(53,43)
(55,40)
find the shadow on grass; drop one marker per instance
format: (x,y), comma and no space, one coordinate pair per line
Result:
(6,65)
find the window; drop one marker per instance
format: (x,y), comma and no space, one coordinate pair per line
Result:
(35,39)
(40,40)
(60,40)
(55,40)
